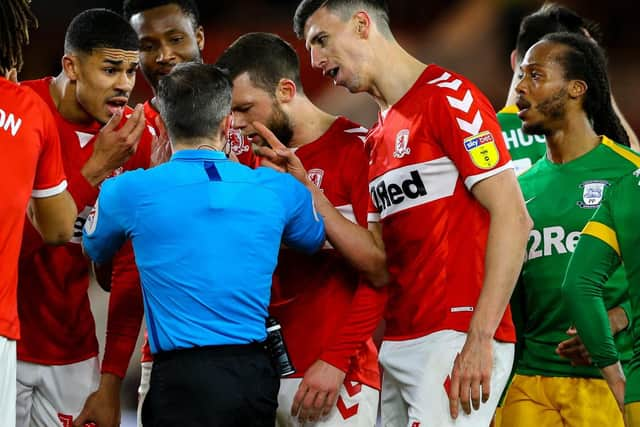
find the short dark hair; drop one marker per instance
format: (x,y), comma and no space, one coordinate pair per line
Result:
(97,29)
(552,18)
(344,9)
(188,7)
(584,60)
(194,99)
(15,20)
(266,57)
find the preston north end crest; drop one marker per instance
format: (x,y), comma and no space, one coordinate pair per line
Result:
(592,192)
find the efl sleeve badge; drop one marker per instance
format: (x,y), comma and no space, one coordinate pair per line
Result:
(483,150)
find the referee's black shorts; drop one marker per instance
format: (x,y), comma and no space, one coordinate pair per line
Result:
(218,386)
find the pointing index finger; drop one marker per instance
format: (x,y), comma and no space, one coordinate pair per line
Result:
(268,136)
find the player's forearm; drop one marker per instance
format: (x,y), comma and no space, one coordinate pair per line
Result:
(54,217)
(582,293)
(365,313)
(508,232)
(363,249)
(125,313)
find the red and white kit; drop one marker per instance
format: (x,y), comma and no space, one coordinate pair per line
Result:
(327,312)
(30,166)
(426,153)
(58,327)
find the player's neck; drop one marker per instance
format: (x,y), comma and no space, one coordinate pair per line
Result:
(392,82)
(309,122)
(63,93)
(575,139)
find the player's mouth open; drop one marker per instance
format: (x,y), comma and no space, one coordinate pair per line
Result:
(116,105)
(523,106)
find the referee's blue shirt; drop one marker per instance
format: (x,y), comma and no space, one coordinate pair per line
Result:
(206,232)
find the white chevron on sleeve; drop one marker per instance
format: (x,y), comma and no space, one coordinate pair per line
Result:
(454,84)
(445,76)
(361,129)
(472,128)
(461,104)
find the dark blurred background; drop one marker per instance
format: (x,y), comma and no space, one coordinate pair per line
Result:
(473,37)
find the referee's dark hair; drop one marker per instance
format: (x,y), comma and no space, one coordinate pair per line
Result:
(15,19)
(194,99)
(552,18)
(98,29)
(188,7)
(378,9)
(584,60)
(265,57)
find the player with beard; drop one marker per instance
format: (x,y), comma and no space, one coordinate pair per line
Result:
(550,18)
(32,175)
(58,364)
(452,216)
(564,94)
(327,309)
(169,33)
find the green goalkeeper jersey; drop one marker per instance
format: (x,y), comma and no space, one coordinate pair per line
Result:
(524,149)
(561,198)
(611,237)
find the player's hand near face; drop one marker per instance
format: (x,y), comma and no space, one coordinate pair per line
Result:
(113,146)
(280,157)
(318,392)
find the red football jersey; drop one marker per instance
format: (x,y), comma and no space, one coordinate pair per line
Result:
(30,166)
(426,153)
(58,327)
(327,312)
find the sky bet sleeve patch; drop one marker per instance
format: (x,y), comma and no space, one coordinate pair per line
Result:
(482,150)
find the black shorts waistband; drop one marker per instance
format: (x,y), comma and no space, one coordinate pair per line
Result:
(213,351)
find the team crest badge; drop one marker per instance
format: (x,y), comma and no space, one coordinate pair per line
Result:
(237,142)
(402,144)
(92,220)
(592,192)
(483,150)
(316,175)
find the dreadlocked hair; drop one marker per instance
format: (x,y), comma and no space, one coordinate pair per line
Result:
(585,60)
(15,19)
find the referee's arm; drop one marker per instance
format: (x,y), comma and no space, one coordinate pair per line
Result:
(103,233)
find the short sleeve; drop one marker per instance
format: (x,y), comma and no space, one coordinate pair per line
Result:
(304,229)
(105,230)
(50,178)
(465,124)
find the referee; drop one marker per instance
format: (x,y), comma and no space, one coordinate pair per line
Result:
(206,233)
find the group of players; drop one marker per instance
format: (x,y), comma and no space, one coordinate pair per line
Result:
(428,205)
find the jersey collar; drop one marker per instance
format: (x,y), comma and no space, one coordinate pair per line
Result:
(186,155)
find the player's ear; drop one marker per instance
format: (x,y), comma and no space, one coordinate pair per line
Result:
(70,66)
(200,37)
(12,75)
(577,88)
(286,90)
(513,60)
(362,24)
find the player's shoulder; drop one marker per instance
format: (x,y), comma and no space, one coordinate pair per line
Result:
(621,153)
(24,101)
(348,132)
(440,87)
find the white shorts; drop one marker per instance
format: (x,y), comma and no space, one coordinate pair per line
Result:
(415,371)
(358,409)
(7,382)
(53,395)
(145,380)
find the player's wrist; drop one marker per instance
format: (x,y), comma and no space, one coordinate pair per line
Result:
(93,173)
